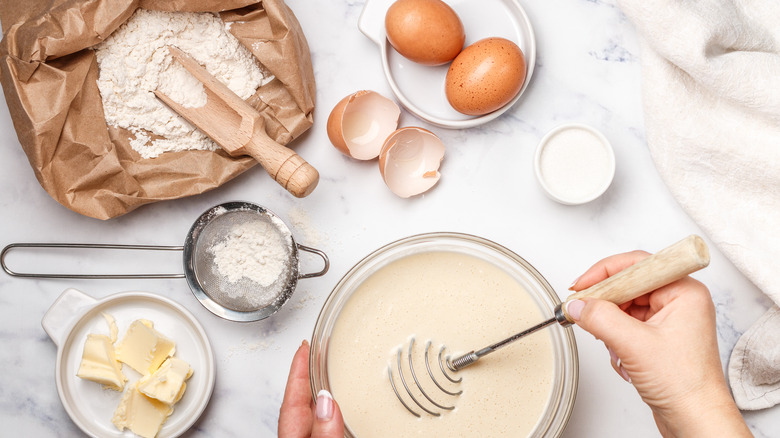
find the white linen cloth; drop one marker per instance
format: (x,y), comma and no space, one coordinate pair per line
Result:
(711,97)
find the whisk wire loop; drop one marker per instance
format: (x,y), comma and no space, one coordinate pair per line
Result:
(417,382)
(392,384)
(444,371)
(408,390)
(414,394)
(430,373)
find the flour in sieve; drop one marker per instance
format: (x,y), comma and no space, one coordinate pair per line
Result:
(255,251)
(134,61)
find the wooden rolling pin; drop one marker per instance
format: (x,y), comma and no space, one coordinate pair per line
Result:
(239,129)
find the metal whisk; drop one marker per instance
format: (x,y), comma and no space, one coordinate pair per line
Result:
(410,369)
(664,267)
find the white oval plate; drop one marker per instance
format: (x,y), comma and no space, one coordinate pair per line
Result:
(420,88)
(91,407)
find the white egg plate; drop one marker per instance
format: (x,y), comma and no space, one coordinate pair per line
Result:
(91,407)
(420,88)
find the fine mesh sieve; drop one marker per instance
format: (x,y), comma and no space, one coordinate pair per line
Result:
(242,300)
(236,299)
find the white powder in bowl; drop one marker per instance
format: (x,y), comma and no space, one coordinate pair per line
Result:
(575,164)
(134,61)
(253,250)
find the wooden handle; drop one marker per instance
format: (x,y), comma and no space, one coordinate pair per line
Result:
(238,128)
(297,176)
(285,166)
(664,267)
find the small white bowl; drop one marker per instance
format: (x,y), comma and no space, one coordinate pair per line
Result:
(574,164)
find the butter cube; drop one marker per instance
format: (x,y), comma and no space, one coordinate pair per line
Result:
(144,416)
(167,384)
(99,363)
(112,328)
(143,348)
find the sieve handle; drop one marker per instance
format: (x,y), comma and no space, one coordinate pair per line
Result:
(12,273)
(324,257)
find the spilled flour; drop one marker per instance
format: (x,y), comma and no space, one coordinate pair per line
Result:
(134,61)
(302,222)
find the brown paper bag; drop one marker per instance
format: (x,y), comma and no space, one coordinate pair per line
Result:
(49,75)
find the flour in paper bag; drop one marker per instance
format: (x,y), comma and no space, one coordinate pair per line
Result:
(134,61)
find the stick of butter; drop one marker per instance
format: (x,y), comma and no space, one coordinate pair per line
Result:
(99,364)
(143,348)
(144,416)
(167,384)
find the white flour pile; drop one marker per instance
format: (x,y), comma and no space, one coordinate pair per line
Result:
(254,250)
(134,61)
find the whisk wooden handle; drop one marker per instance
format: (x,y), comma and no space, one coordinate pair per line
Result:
(664,267)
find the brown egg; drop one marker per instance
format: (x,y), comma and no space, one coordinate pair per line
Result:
(425,31)
(485,76)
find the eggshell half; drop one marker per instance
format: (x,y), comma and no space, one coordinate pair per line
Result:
(409,161)
(359,124)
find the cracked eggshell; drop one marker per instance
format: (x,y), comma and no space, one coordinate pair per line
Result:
(409,161)
(359,124)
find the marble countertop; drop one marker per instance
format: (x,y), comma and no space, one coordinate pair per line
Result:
(587,71)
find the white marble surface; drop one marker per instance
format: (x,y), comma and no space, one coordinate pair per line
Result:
(587,71)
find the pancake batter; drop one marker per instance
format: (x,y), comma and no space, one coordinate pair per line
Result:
(463,302)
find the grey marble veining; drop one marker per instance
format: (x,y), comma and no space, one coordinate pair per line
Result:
(587,71)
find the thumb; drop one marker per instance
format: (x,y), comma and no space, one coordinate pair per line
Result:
(328,421)
(606,321)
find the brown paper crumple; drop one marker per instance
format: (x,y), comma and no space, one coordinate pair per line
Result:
(49,75)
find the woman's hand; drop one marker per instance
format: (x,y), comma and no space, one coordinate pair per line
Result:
(665,343)
(299,417)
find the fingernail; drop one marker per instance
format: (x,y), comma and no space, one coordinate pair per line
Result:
(613,356)
(324,411)
(571,286)
(574,308)
(623,371)
(305,343)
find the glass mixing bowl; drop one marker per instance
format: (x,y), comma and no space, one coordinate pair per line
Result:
(565,369)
